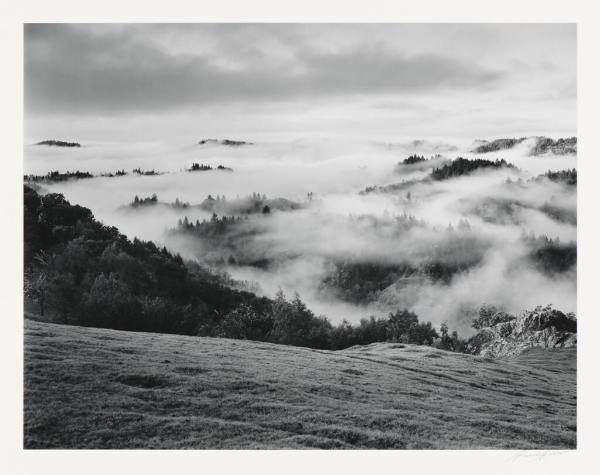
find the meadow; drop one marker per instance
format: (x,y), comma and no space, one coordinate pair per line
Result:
(99,388)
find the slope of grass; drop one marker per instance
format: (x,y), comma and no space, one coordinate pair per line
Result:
(97,388)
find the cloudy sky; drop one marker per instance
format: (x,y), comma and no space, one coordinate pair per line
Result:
(128,82)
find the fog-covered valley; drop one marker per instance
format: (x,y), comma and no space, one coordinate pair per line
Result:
(345,223)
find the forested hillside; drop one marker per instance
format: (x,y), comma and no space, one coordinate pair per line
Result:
(79,271)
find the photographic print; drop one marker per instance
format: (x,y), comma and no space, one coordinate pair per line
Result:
(300,236)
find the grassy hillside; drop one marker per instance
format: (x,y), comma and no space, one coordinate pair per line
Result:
(98,388)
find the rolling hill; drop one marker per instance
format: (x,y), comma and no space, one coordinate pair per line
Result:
(99,388)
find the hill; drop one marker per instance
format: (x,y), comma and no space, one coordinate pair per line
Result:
(59,143)
(227,142)
(99,388)
(541,145)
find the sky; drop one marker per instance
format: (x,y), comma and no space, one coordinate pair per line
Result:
(183,82)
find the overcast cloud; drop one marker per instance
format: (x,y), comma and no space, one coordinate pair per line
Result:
(95,81)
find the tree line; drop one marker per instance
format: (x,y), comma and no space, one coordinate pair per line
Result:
(59,143)
(56,176)
(201,167)
(462,166)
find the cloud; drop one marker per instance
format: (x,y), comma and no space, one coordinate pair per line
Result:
(93,69)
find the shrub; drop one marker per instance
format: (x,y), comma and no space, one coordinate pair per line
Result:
(245,323)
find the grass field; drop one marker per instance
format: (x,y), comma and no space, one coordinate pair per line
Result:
(96,388)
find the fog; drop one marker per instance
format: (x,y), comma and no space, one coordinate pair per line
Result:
(338,223)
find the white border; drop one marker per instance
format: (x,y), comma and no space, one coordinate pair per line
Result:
(14,460)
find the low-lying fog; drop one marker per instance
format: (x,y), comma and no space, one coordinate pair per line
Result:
(339,222)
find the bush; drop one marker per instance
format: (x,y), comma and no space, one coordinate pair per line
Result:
(245,323)
(295,324)
(490,316)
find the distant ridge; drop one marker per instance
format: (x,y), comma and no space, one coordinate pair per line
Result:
(227,142)
(542,145)
(58,143)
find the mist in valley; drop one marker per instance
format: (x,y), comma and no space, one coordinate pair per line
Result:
(347,212)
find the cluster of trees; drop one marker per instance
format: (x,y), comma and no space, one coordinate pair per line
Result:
(392,188)
(200,167)
(149,201)
(254,203)
(360,282)
(550,255)
(498,144)
(462,166)
(542,145)
(402,326)
(251,204)
(139,171)
(153,200)
(413,159)
(458,251)
(230,143)
(558,147)
(568,177)
(559,213)
(490,315)
(180,204)
(207,229)
(290,322)
(58,143)
(112,175)
(56,176)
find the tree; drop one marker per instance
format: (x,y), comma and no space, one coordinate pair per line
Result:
(110,304)
(399,324)
(422,334)
(245,323)
(266,209)
(295,324)
(64,296)
(444,329)
(36,288)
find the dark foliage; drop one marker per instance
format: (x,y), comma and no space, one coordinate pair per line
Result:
(558,213)
(90,274)
(450,342)
(112,175)
(56,176)
(413,159)
(393,188)
(499,144)
(568,177)
(402,326)
(58,143)
(150,201)
(230,143)
(360,282)
(139,171)
(200,167)
(557,147)
(550,255)
(462,166)
(489,316)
